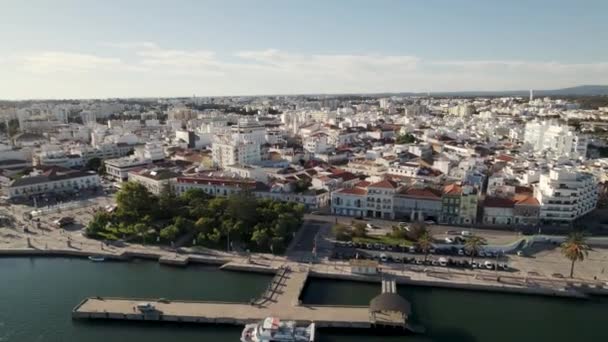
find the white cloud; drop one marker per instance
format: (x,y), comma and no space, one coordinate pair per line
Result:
(52,61)
(156,71)
(130,45)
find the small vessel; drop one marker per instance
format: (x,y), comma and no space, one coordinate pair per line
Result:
(272,329)
(97,258)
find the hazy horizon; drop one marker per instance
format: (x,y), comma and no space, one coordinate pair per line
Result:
(108,49)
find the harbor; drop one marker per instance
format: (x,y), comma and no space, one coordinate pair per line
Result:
(282,298)
(447,314)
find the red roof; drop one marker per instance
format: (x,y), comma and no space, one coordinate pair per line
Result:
(387,184)
(526,199)
(428,193)
(523,190)
(353,191)
(452,189)
(505,158)
(498,202)
(363,184)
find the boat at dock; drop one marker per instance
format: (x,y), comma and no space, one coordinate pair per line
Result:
(272,329)
(97,258)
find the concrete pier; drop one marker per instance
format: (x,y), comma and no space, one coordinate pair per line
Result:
(281,299)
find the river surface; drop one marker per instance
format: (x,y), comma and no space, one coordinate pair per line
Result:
(37,295)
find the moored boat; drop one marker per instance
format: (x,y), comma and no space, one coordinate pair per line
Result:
(97,258)
(272,329)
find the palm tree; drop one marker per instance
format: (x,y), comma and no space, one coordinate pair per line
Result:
(474,245)
(575,249)
(425,243)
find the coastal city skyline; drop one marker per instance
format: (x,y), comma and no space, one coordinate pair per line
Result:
(303,171)
(97,49)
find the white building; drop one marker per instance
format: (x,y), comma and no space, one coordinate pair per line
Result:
(225,152)
(317,143)
(349,202)
(559,139)
(565,194)
(119,168)
(53,180)
(213,184)
(380,199)
(248,171)
(151,150)
(154,180)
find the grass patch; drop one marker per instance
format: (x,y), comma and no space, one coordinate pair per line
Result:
(384,239)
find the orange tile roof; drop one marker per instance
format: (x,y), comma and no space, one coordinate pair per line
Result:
(498,202)
(452,189)
(525,199)
(388,184)
(363,184)
(429,193)
(353,191)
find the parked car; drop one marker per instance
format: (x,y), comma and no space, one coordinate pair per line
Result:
(443,262)
(466,233)
(145,307)
(64,221)
(383,257)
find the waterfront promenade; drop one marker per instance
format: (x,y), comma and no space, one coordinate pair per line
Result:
(530,275)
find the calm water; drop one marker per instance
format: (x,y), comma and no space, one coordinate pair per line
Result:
(37,295)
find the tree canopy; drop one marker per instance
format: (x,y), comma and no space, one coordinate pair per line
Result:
(239,220)
(405,139)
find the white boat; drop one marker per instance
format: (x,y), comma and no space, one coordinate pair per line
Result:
(272,329)
(97,258)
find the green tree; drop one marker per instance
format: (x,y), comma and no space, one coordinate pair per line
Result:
(169,233)
(474,244)
(398,233)
(261,236)
(575,249)
(94,164)
(98,224)
(425,244)
(359,230)
(341,232)
(242,207)
(405,139)
(134,201)
(302,184)
(417,229)
(168,203)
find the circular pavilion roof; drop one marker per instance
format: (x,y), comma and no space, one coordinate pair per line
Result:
(390,302)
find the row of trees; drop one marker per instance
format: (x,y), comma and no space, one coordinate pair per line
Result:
(240,220)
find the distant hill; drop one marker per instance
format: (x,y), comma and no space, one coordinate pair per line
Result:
(583,90)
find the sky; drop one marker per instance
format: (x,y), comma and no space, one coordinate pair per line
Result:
(135,48)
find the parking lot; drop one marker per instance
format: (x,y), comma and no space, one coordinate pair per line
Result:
(446,257)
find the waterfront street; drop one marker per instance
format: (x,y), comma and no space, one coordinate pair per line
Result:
(534,271)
